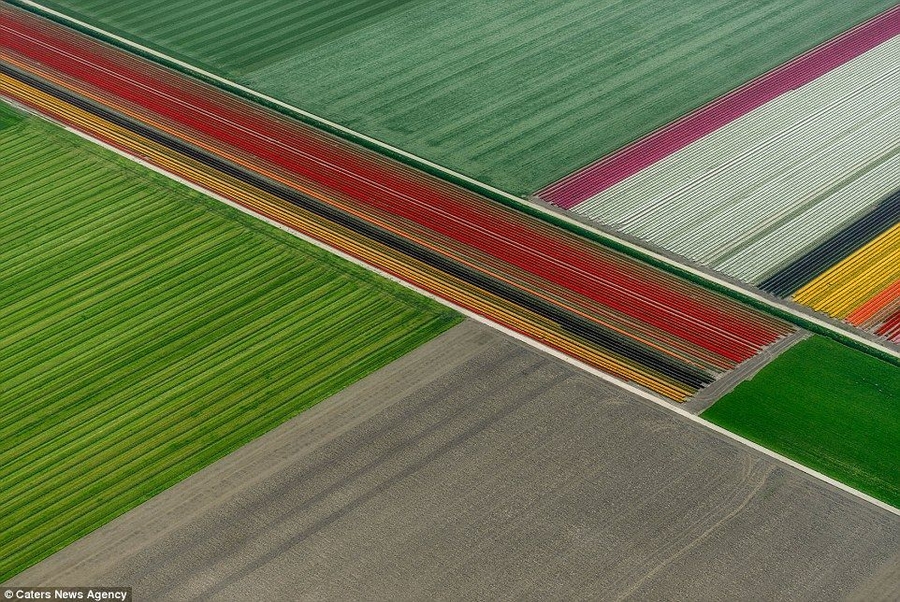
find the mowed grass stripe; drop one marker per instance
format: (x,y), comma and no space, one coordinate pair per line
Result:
(267,43)
(113,358)
(259,31)
(145,239)
(86,420)
(79,230)
(133,459)
(148,330)
(81,223)
(48,300)
(73,331)
(8,118)
(107,366)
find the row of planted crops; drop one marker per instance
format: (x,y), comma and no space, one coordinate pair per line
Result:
(146,330)
(149,330)
(798,195)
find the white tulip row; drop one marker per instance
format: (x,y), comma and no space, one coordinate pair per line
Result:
(760,191)
(781,245)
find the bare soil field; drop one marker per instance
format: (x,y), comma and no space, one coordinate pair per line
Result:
(475,467)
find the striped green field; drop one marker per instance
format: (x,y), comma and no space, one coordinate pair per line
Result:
(515,93)
(147,330)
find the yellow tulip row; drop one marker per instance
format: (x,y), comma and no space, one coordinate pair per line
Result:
(851,283)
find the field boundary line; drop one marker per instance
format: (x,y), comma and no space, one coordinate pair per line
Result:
(528,206)
(630,388)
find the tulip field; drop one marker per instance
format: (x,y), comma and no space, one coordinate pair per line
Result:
(752,195)
(799,196)
(515,93)
(147,330)
(740,161)
(599,306)
(791,142)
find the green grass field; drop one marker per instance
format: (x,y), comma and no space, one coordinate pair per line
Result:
(515,93)
(8,117)
(147,330)
(830,407)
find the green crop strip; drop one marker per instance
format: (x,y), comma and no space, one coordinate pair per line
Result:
(147,330)
(826,406)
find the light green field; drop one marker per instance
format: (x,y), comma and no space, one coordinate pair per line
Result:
(515,93)
(828,406)
(146,330)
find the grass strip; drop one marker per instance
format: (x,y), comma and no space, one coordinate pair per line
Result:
(8,116)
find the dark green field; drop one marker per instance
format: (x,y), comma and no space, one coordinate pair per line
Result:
(515,93)
(830,407)
(147,330)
